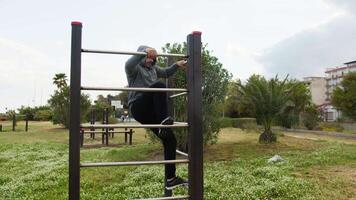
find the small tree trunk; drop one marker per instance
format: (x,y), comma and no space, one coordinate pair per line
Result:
(267,137)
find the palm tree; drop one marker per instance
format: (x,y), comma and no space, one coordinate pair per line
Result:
(267,99)
(300,99)
(60,80)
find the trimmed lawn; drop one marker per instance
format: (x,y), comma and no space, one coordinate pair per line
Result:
(34,165)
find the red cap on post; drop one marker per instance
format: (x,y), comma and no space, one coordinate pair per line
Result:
(76,23)
(196,33)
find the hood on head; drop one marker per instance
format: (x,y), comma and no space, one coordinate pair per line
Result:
(142,48)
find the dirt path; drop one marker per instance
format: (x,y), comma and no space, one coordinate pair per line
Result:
(319,135)
(322,133)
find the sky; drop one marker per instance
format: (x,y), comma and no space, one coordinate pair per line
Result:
(296,37)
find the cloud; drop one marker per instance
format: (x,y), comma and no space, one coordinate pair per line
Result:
(244,58)
(309,52)
(346,5)
(25,74)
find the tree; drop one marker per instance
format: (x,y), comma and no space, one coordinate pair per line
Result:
(40,113)
(60,80)
(343,97)
(233,104)
(100,104)
(123,97)
(267,99)
(59,101)
(214,84)
(299,99)
(28,112)
(311,116)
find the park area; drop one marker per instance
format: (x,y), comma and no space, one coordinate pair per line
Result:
(34,165)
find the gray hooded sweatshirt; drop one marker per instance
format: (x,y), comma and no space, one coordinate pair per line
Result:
(140,76)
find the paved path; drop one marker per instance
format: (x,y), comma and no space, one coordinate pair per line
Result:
(322,133)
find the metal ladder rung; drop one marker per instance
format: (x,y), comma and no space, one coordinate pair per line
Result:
(175,125)
(132,53)
(168,198)
(87,132)
(133,163)
(134,89)
(181,153)
(177,95)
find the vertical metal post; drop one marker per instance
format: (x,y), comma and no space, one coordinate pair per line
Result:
(92,121)
(195,130)
(82,137)
(74,128)
(13,122)
(169,84)
(126,135)
(107,129)
(130,142)
(103,129)
(26,124)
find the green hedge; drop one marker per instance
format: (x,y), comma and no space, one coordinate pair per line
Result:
(113,120)
(242,123)
(330,126)
(43,115)
(225,122)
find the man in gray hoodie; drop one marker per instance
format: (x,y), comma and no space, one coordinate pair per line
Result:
(152,107)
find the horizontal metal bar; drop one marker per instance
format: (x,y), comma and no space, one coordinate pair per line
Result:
(175,125)
(87,132)
(132,53)
(133,163)
(181,153)
(135,89)
(179,94)
(168,198)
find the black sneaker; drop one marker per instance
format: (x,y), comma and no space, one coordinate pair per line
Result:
(168,121)
(176,182)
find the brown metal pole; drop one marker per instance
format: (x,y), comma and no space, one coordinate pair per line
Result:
(107,129)
(13,122)
(169,84)
(74,127)
(195,129)
(130,143)
(81,137)
(103,129)
(92,121)
(126,135)
(26,124)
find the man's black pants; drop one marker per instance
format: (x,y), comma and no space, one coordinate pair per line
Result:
(152,108)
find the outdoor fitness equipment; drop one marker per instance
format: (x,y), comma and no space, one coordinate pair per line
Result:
(194,124)
(105,132)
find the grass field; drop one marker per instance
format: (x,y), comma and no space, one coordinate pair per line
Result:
(34,165)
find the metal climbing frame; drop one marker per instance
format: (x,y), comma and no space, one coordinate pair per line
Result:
(194,124)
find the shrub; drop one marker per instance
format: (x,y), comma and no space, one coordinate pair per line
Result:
(225,122)
(330,126)
(311,117)
(244,123)
(113,120)
(43,115)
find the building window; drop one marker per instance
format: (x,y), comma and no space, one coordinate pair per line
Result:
(329,116)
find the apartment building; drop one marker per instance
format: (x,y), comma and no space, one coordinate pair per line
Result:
(321,88)
(317,89)
(334,77)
